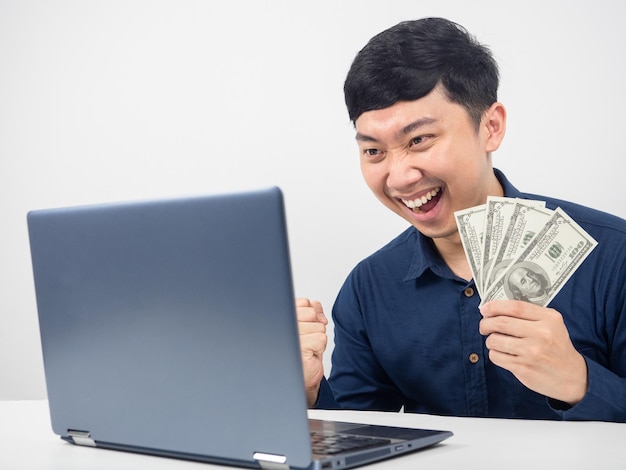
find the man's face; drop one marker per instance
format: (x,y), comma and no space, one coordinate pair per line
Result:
(424,160)
(526,282)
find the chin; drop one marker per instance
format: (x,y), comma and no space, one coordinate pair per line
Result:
(436,232)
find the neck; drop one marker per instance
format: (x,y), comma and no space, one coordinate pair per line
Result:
(453,255)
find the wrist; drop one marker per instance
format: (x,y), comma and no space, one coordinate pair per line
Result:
(580,384)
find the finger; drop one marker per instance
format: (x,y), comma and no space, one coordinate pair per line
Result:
(306,314)
(311,327)
(310,311)
(503,359)
(504,325)
(319,310)
(303,302)
(512,308)
(305,311)
(504,344)
(313,344)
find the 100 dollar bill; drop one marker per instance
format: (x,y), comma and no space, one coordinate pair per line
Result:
(498,217)
(471,223)
(546,263)
(527,219)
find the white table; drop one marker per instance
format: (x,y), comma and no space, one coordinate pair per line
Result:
(27,442)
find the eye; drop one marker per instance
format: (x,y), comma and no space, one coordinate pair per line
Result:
(421,142)
(373,154)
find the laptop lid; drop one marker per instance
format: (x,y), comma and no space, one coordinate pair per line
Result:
(168,327)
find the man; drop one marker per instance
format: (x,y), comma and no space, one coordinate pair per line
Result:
(408,329)
(528,285)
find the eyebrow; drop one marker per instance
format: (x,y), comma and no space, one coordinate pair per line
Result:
(421,122)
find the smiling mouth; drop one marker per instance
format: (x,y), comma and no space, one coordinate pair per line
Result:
(425,202)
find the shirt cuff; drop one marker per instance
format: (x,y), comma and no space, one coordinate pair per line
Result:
(605,399)
(326,398)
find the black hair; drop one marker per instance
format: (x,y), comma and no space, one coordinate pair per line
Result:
(407,61)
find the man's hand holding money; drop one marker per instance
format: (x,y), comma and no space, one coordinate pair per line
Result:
(533,343)
(521,254)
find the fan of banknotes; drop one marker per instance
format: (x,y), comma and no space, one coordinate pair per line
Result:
(518,249)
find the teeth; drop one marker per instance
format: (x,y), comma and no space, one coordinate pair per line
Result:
(420,201)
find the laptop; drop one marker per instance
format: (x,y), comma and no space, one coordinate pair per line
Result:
(168,327)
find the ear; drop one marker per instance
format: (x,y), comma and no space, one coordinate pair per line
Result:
(494,124)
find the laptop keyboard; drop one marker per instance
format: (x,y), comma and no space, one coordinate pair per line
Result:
(329,443)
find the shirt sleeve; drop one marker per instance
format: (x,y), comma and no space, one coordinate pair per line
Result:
(357,379)
(326,398)
(605,399)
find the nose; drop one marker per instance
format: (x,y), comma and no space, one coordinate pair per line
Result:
(403,170)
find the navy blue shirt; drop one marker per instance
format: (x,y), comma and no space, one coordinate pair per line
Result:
(407,332)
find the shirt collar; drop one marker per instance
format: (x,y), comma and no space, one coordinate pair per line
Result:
(509,189)
(426,256)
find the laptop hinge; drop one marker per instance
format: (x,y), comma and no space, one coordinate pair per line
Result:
(271,461)
(82,438)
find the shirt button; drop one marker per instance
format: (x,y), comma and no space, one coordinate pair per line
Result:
(468,292)
(473,358)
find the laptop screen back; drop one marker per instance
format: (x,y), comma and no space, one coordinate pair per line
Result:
(171,325)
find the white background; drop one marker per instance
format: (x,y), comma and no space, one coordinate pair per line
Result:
(111,100)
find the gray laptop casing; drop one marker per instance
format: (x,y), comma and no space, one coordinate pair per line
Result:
(168,327)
